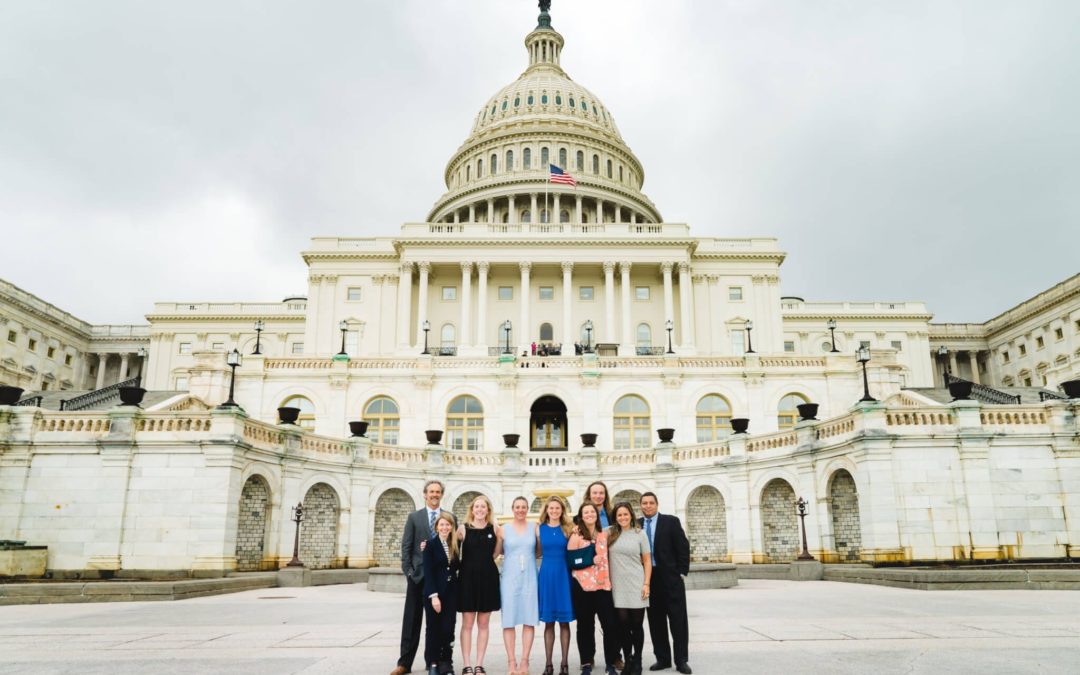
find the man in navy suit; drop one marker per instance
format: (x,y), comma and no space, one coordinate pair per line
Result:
(671,562)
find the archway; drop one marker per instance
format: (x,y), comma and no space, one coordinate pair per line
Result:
(706,525)
(628,495)
(844,513)
(319,529)
(547,424)
(252,524)
(779,526)
(391,510)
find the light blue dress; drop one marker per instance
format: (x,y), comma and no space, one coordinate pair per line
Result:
(518,581)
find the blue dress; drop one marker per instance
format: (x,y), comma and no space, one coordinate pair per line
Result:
(555,604)
(518,582)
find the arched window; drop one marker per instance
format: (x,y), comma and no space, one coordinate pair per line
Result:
(584,106)
(495,165)
(480,168)
(580,161)
(493,170)
(504,105)
(558,99)
(787,414)
(509,160)
(468,172)
(530,99)
(644,336)
(631,423)
(571,101)
(596,164)
(713,418)
(526,158)
(517,101)
(384,420)
(465,424)
(448,335)
(608,170)
(544,98)
(307,410)
(562,158)
(526,216)
(544,216)
(544,158)
(547,334)
(564,216)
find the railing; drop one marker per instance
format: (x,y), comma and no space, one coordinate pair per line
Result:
(1043,397)
(31,402)
(985,394)
(98,396)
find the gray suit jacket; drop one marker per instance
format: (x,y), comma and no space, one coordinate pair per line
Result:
(417,531)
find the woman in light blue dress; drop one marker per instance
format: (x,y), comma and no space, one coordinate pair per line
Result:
(518,586)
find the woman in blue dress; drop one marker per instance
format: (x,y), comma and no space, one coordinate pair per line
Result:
(555,604)
(518,586)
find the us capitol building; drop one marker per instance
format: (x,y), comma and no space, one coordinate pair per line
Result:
(481,345)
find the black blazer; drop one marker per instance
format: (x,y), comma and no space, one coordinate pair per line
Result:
(417,530)
(440,575)
(670,544)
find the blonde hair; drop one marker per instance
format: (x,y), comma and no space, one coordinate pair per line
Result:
(564,517)
(490,513)
(452,538)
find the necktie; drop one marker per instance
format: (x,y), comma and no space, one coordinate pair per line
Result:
(648,533)
(431,523)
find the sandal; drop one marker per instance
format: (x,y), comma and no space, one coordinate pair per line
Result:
(466,670)
(479,670)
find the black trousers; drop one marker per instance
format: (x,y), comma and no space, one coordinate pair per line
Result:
(439,642)
(588,607)
(667,604)
(411,621)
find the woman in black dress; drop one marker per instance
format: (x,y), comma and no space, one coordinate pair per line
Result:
(481,543)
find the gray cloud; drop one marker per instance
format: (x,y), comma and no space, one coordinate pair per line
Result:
(154,151)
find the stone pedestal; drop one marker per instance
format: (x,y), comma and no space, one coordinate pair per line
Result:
(18,560)
(806,570)
(711,575)
(386,580)
(292,577)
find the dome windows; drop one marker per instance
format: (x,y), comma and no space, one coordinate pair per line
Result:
(530,99)
(596,164)
(544,99)
(504,105)
(509,160)
(585,106)
(580,161)
(545,158)
(558,99)
(517,101)
(480,168)
(493,109)
(526,158)
(609,171)
(495,166)
(571,101)
(562,158)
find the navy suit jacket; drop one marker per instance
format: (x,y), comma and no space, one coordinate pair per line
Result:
(671,547)
(440,575)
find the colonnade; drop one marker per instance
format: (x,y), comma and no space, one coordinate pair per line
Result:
(130,365)
(514,211)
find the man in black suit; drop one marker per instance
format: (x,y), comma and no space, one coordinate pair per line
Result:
(419,527)
(671,562)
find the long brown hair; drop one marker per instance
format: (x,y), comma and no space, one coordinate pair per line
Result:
(564,517)
(583,529)
(607,497)
(614,530)
(451,539)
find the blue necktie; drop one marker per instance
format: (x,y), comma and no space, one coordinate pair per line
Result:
(648,533)
(431,523)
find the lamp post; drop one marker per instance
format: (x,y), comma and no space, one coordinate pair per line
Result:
(588,336)
(862,356)
(943,352)
(506,329)
(233,358)
(669,325)
(832,335)
(259,326)
(298,515)
(427,327)
(142,365)
(749,341)
(801,505)
(343,326)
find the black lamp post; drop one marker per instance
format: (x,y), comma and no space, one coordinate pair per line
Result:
(259,326)
(943,352)
(142,365)
(427,327)
(298,515)
(801,506)
(343,326)
(669,325)
(749,341)
(862,356)
(588,336)
(233,358)
(506,329)
(832,335)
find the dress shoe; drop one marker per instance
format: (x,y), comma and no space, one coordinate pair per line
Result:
(660,665)
(400,670)
(683,668)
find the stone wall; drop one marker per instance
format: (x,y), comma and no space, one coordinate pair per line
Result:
(632,496)
(779,524)
(391,511)
(706,525)
(251,524)
(319,529)
(844,510)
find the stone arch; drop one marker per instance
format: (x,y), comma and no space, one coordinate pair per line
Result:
(628,495)
(706,525)
(252,524)
(319,529)
(461,504)
(391,510)
(844,514)
(779,524)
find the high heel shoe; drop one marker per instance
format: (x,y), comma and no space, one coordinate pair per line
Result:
(549,669)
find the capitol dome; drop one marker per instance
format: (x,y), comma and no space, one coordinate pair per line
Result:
(500,174)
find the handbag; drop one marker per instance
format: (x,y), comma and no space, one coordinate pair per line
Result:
(580,558)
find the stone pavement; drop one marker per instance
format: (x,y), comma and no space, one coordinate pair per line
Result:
(758,627)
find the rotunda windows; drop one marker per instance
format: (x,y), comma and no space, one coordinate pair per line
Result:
(509,160)
(384,420)
(558,99)
(609,172)
(517,101)
(544,99)
(545,159)
(504,105)
(526,216)
(580,160)
(530,99)
(631,423)
(585,106)
(480,168)
(713,418)
(495,164)
(526,158)
(571,101)
(787,414)
(562,158)
(564,216)
(596,164)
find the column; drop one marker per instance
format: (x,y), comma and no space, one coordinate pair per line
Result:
(973,359)
(472,213)
(618,212)
(627,334)
(481,302)
(532,210)
(721,344)
(457,216)
(102,361)
(123,367)
(465,337)
(524,331)
(599,211)
(404,305)
(568,301)
(686,307)
(669,295)
(555,209)
(512,216)
(421,304)
(609,302)
(952,363)
(577,211)
(491,211)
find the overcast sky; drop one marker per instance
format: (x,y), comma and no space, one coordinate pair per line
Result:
(904,150)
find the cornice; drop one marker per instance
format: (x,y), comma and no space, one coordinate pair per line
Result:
(503,242)
(203,318)
(309,256)
(857,315)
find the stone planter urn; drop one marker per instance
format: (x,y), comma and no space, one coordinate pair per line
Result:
(666,435)
(10,395)
(740,424)
(358,428)
(960,390)
(131,395)
(807,411)
(434,436)
(588,440)
(288,415)
(511,440)
(1071,388)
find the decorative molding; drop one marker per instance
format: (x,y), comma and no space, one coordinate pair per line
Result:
(568,267)
(525,266)
(609,267)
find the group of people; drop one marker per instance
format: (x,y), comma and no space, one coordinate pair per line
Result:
(603,566)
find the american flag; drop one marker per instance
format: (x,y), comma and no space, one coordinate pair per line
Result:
(560,176)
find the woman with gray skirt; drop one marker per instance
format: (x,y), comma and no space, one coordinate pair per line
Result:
(631,573)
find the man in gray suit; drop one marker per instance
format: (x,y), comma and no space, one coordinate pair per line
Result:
(419,527)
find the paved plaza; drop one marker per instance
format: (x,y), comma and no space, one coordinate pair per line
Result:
(758,627)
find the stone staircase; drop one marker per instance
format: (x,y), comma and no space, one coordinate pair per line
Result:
(51,400)
(1027,394)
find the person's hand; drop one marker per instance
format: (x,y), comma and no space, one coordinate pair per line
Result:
(423,545)
(436,605)
(645,592)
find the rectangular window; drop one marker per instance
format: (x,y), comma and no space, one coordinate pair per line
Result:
(547,292)
(1005,357)
(1027,381)
(1076,325)
(1023,350)
(449,293)
(641,293)
(585,293)
(185,348)
(50,352)
(898,345)
(67,359)
(298,348)
(181,383)
(734,293)
(12,336)
(506,292)
(32,345)
(738,342)
(789,346)
(352,342)
(218,346)
(1059,334)
(1039,343)
(355,294)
